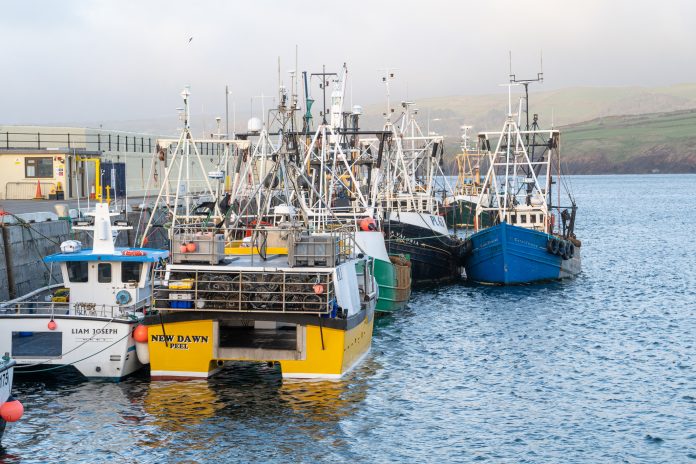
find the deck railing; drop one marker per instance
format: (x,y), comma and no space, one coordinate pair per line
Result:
(245,291)
(50,308)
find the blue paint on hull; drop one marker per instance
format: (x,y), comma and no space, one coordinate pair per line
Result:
(506,254)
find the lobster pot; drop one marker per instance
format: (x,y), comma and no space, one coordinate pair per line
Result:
(200,248)
(313,250)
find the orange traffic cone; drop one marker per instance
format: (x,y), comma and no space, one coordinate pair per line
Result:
(38,195)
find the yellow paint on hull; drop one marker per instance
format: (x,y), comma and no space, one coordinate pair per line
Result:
(342,351)
(182,357)
(191,350)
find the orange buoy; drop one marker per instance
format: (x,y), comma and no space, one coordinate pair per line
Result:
(145,241)
(52,325)
(182,248)
(191,247)
(318,289)
(140,334)
(368,224)
(12,411)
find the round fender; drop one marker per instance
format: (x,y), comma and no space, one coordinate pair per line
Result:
(549,245)
(562,247)
(556,245)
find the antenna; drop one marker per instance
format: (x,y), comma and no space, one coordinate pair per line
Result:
(323,85)
(525,82)
(388,76)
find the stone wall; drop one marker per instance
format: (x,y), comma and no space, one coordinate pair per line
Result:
(23,246)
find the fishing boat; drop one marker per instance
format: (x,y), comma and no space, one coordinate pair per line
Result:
(325,176)
(11,409)
(339,174)
(533,236)
(253,288)
(459,207)
(87,323)
(409,203)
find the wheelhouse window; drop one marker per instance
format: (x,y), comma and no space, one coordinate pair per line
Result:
(104,273)
(523,218)
(38,167)
(532,218)
(130,272)
(77,271)
(513,218)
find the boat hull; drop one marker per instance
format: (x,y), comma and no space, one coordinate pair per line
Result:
(394,282)
(99,348)
(198,345)
(461,214)
(435,258)
(6,378)
(506,254)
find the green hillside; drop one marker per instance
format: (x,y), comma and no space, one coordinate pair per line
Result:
(658,142)
(605,129)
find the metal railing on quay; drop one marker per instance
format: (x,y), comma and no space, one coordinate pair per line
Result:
(101,141)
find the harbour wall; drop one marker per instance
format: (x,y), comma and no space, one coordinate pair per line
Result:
(23,245)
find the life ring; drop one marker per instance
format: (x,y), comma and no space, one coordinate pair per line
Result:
(123,297)
(133,253)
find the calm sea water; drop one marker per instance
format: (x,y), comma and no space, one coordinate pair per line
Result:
(596,369)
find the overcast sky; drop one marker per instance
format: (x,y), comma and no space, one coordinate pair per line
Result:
(68,61)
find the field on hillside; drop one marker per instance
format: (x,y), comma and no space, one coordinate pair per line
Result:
(657,142)
(661,142)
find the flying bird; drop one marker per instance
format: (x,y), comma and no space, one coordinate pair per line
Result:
(190,39)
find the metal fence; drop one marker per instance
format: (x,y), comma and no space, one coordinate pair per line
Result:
(27,189)
(92,142)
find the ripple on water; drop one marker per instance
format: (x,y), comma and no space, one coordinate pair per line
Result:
(595,369)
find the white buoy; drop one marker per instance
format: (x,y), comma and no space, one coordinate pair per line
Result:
(143,352)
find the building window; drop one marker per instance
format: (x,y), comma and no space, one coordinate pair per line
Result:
(130,272)
(77,271)
(38,167)
(104,273)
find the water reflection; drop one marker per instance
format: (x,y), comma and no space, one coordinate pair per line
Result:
(175,405)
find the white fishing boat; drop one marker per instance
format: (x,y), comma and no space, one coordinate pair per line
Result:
(88,323)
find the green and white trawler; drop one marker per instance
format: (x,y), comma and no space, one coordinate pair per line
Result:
(244,289)
(459,207)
